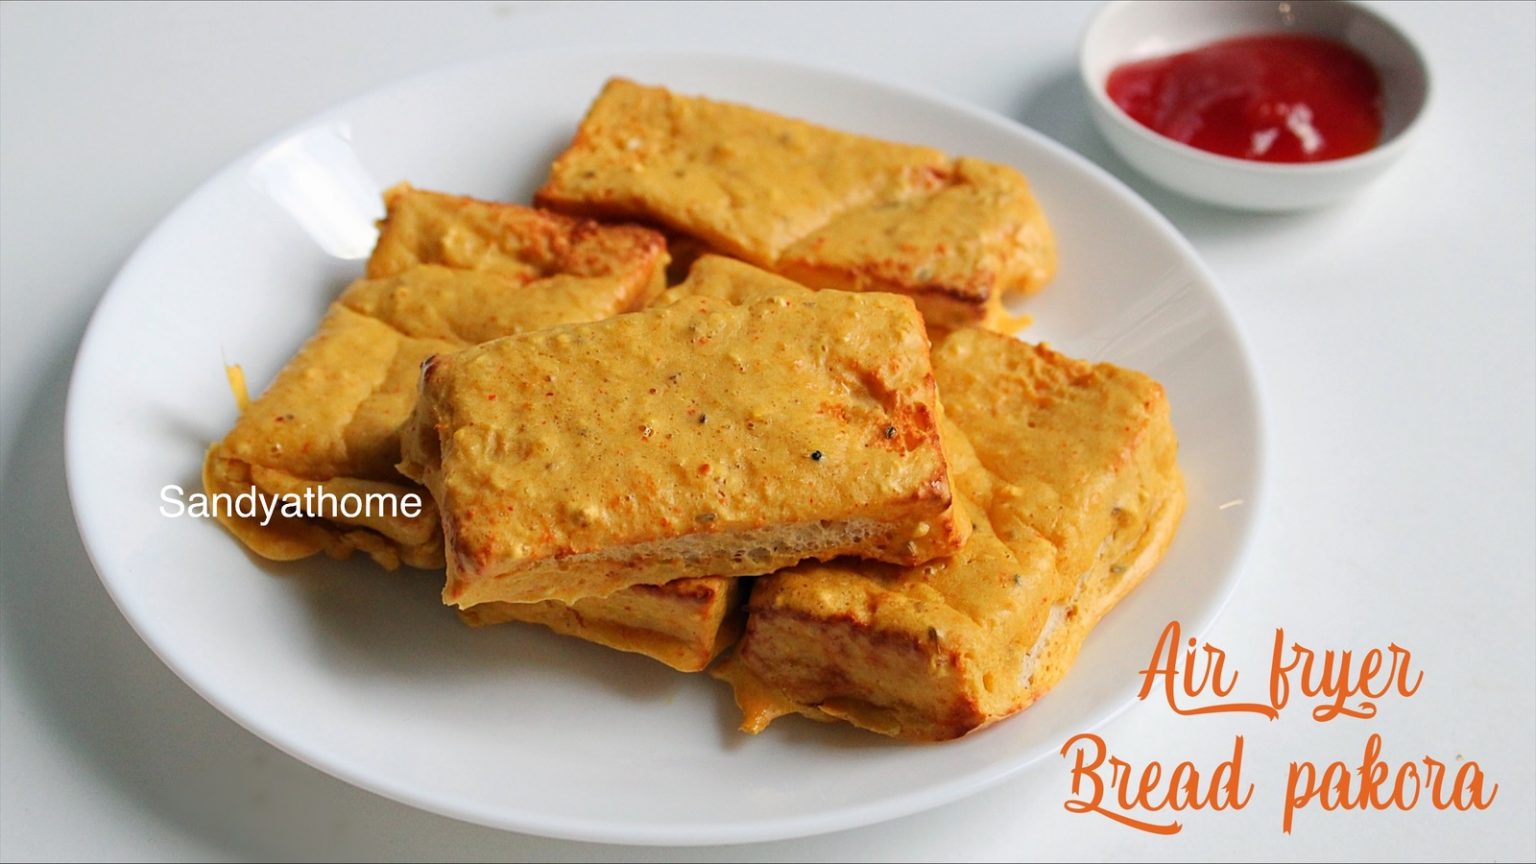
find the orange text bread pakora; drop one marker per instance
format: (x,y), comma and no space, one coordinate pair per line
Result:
(1071,470)
(696,439)
(330,421)
(684,623)
(827,208)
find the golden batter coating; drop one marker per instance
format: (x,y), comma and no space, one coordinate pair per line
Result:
(827,208)
(730,280)
(598,270)
(330,421)
(695,439)
(1070,470)
(684,624)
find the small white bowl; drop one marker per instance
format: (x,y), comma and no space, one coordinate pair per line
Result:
(1125,31)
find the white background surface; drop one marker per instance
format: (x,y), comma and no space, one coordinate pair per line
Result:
(1396,337)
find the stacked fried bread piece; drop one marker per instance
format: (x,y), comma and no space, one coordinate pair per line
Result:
(829,209)
(1069,470)
(697,438)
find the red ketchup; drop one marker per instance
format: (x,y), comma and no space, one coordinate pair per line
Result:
(1276,98)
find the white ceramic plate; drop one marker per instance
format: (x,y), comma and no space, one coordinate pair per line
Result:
(365,675)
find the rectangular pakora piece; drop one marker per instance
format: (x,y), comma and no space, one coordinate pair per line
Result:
(684,624)
(448,272)
(1070,470)
(827,208)
(696,439)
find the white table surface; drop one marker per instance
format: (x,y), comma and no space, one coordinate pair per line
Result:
(1394,335)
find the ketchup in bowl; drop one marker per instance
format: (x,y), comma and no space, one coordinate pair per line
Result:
(1270,98)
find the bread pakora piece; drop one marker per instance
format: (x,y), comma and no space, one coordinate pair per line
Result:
(827,208)
(732,281)
(330,421)
(696,439)
(684,624)
(591,270)
(1070,470)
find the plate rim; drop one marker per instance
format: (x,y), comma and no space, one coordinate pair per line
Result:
(670,834)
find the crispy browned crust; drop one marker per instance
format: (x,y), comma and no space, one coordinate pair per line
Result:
(946,709)
(521,243)
(684,624)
